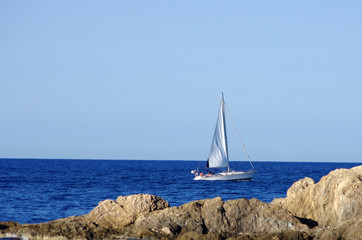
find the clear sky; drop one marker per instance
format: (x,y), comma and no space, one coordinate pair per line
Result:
(142,79)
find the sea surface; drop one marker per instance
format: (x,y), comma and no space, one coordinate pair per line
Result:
(40,190)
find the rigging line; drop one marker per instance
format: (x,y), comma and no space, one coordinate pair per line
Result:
(237,132)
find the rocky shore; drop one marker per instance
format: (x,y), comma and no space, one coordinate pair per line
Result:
(330,209)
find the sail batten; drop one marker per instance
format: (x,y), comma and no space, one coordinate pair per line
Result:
(218,157)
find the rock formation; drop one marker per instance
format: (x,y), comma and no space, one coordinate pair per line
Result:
(221,218)
(125,210)
(329,209)
(335,201)
(143,215)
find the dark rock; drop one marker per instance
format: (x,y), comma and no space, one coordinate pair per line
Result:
(10,224)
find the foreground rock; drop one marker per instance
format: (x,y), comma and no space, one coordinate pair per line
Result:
(125,210)
(330,209)
(213,216)
(143,215)
(335,201)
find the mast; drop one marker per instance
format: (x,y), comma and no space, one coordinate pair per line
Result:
(224,123)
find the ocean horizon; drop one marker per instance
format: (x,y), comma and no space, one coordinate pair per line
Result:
(39,190)
(186,160)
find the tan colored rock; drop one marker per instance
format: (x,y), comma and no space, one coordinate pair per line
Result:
(351,229)
(335,199)
(75,227)
(254,216)
(142,203)
(144,216)
(222,218)
(175,219)
(213,213)
(198,236)
(125,210)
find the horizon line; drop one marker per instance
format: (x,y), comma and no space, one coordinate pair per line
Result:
(124,159)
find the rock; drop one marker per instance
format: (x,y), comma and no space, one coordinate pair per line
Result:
(7,225)
(351,229)
(144,216)
(285,235)
(125,210)
(67,228)
(104,221)
(335,199)
(221,218)
(254,216)
(334,203)
(198,236)
(175,219)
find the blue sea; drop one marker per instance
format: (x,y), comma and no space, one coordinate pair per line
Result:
(40,190)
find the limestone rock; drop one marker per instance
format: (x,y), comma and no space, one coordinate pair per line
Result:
(335,199)
(125,210)
(254,216)
(66,228)
(351,229)
(213,216)
(145,216)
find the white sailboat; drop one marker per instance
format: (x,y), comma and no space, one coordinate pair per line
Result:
(219,156)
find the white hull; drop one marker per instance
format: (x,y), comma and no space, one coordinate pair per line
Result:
(227,176)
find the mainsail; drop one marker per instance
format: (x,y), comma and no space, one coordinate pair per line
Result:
(218,157)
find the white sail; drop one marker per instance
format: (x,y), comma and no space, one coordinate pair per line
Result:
(218,157)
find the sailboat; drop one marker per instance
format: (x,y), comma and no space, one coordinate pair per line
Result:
(219,156)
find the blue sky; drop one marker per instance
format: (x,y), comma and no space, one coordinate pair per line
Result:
(142,79)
